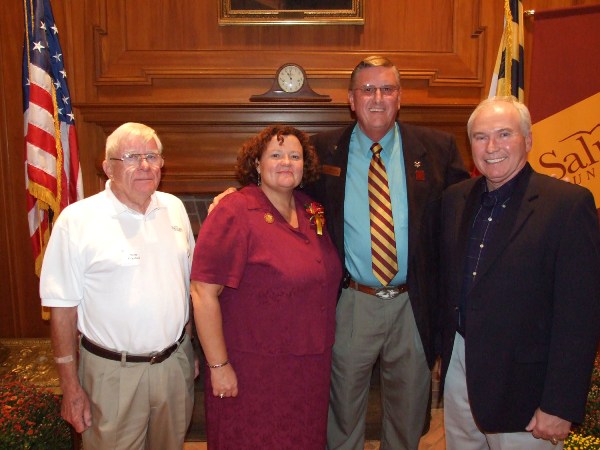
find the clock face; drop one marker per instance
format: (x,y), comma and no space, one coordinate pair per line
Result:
(290,78)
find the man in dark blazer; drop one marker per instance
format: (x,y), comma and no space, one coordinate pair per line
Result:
(393,322)
(521,286)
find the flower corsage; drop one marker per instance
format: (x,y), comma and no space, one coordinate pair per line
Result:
(317,215)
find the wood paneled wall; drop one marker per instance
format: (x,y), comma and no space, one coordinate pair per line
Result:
(170,65)
(191,79)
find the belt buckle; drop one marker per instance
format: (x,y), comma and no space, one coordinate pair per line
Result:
(153,359)
(387,293)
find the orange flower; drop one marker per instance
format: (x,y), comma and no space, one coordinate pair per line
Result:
(317,215)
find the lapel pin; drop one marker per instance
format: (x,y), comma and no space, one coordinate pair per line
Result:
(419,173)
(269,218)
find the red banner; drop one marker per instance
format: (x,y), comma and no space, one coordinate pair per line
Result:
(564,62)
(564,95)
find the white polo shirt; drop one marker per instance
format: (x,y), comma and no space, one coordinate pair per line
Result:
(128,273)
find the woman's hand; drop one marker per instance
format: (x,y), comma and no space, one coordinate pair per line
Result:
(224,381)
(209,325)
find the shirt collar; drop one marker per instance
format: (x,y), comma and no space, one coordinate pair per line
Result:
(120,207)
(387,141)
(256,198)
(504,192)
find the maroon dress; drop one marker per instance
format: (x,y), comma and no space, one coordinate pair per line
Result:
(278,309)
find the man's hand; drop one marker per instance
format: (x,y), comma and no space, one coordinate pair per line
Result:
(220,197)
(75,404)
(546,426)
(196,366)
(75,408)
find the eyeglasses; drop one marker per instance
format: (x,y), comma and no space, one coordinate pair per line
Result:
(370,91)
(135,159)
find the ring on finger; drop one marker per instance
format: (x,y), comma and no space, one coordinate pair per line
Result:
(221,395)
(554,441)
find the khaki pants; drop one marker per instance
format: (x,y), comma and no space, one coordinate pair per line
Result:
(461,430)
(367,328)
(138,405)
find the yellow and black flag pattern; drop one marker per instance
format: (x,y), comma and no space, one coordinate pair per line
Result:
(508,74)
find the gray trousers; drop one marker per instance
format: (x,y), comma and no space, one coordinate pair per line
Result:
(367,328)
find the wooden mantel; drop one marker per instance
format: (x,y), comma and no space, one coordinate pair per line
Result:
(201,141)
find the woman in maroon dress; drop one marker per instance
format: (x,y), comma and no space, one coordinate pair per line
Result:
(265,279)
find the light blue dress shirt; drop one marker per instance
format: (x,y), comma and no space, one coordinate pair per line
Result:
(357,234)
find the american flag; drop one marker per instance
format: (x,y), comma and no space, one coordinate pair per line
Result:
(508,78)
(52,169)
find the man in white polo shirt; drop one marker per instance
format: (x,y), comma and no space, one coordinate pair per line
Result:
(116,275)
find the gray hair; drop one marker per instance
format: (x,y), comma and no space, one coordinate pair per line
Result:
(525,117)
(127,130)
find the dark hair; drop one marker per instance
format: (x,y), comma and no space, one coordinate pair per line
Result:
(254,147)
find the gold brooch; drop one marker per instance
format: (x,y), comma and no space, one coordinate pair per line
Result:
(269,218)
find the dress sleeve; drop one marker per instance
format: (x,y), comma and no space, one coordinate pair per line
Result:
(221,249)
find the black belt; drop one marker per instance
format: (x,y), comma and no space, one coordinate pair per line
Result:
(383,293)
(126,357)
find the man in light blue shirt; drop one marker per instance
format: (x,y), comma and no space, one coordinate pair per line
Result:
(395,323)
(356,206)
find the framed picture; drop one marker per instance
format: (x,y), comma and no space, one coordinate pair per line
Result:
(291,12)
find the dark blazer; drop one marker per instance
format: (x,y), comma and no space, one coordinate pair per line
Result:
(533,313)
(432,163)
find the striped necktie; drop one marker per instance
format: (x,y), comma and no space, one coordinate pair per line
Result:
(383,240)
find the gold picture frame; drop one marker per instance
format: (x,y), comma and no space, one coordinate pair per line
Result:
(291,12)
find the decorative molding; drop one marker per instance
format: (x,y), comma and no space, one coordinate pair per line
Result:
(201,141)
(321,116)
(455,64)
(353,15)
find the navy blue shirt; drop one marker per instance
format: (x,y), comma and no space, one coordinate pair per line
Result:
(486,221)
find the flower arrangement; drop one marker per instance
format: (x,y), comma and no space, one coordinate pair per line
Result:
(576,441)
(30,417)
(587,435)
(317,215)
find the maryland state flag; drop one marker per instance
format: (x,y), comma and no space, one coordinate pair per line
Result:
(508,73)
(52,169)
(564,96)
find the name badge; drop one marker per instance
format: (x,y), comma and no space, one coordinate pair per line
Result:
(130,258)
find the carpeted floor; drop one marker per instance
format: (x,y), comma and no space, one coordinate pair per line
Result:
(32,359)
(433,440)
